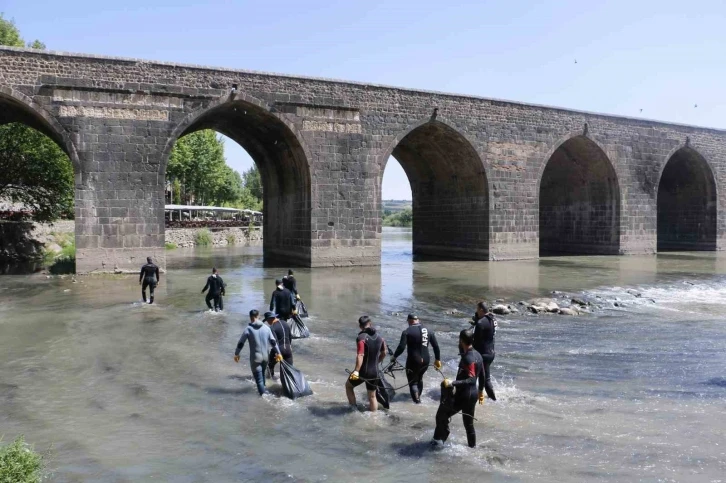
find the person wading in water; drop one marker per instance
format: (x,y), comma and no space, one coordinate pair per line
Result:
(371,350)
(149,277)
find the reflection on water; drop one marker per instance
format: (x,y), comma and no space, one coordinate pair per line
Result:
(126,392)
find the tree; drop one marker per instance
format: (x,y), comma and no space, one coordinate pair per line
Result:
(253,182)
(9,33)
(34,171)
(198,166)
(10,36)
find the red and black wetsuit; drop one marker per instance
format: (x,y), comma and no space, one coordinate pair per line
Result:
(372,346)
(471,368)
(284,344)
(417,339)
(484,330)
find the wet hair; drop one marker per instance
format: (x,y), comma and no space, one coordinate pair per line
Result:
(254,313)
(364,320)
(278,282)
(148,260)
(290,272)
(467,337)
(483,306)
(214,270)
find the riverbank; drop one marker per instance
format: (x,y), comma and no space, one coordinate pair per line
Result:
(217,237)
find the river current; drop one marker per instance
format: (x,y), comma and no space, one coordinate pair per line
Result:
(121,392)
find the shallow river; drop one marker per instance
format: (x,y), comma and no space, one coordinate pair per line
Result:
(118,391)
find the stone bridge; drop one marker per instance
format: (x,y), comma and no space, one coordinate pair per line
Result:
(491,179)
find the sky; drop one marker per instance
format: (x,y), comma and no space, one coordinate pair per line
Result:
(615,57)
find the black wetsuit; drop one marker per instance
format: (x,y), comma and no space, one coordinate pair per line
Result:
(471,368)
(284,344)
(484,330)
(417,339)
(290,283)
(149,277)
(372,346)
(282,303)
(216,286)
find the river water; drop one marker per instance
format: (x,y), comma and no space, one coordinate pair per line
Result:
(118,391)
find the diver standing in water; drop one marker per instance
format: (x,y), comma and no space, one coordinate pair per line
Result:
(149,277)
(464,398)
(371,350)
(485,326)
(290,283)
(216,287)
(284,341)
(261,339)
(282,302)
(417,338)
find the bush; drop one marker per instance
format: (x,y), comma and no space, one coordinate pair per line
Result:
(63,262)
(231,239)
(169,245)
(19,463)
(203,238)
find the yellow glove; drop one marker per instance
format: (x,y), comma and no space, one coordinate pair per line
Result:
(481,397)
(236,358)
(437,365)
(294,311)
(354,376)
(297,297)
(278,358)
(446,383)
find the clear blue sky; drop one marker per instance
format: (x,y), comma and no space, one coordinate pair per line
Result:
(656,55)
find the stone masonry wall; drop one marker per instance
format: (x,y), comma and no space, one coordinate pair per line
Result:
(119,118)
(186,237)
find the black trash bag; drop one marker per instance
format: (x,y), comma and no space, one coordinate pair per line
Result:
(302,310)
(298,329)
(384,391)
(293,382)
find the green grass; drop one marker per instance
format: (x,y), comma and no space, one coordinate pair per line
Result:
(170,246)
(203,238)
(20,463)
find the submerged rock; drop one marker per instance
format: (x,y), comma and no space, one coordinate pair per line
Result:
(568,311)
(501,310)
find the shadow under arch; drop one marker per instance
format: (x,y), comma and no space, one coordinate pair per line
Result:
(579,201)
(17,107)
(450,192)
(687,203)
(282,159)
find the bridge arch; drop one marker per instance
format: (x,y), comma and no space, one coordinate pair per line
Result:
(449,187)
(687,202)
(277,149)
(17,107)
(579,200)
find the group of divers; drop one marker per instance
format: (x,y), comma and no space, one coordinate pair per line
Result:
(270,343)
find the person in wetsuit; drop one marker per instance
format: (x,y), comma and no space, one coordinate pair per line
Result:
(216,287)
(149,277)
(464,397)
(485,326)
(261,339)
(282,302)
(371,350)
(290,283)
(284,341)
(417,339)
